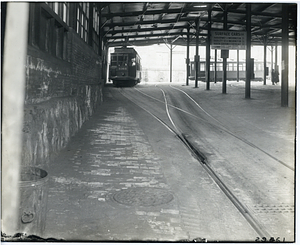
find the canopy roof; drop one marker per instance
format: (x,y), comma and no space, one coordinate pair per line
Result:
(146,23)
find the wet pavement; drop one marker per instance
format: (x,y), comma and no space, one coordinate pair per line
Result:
(122,178)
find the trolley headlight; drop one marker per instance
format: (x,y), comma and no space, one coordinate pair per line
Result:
(123,74)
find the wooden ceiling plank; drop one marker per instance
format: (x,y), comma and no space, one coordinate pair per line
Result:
(127,23)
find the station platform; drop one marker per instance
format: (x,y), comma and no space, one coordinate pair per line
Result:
(90,182)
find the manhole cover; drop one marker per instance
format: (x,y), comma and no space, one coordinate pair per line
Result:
(143,196)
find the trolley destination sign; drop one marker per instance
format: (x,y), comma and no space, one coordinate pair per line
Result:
(228,39)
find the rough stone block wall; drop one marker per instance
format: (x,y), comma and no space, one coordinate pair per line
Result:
(60,96)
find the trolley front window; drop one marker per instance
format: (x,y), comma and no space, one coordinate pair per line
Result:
(123,60)
(114,60)
(119,60)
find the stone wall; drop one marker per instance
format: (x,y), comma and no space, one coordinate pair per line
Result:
(60,96)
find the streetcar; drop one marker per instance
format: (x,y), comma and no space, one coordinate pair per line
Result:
(125,67)
(233,73)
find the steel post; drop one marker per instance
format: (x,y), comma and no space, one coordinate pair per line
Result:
(224,86)
(285,55)
(196,61)
(248,51)
(188,57)
(216,59)
(265,61)
(207,69)
(238,65)
(171,59)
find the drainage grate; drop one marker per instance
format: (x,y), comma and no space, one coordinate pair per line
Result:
(142,196)
(273,208)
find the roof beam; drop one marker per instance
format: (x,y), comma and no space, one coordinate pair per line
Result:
(186,10)
(146,29)
(203,27)
(154,35)
(148,22)
(169,21)
(180,41)
(166,10)
(266,20)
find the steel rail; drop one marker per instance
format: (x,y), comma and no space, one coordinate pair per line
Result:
(221,126)
(259,228)
(233,134)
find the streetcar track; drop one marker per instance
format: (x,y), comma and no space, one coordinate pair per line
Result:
(220,126)
(233,134)
(200,157)
(167,110)
(175,107)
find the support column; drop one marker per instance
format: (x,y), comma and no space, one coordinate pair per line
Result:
(224,55)
(216,60)
(171,60)
(272,62)
(238,65)
(265,60)
(188,57)
(196,60)
(105,60)
(276,57)
(207,63)
(285,55)
(248,51)
(207,69)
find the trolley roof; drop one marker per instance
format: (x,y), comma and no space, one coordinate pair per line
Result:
(146,23)
(125,50)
